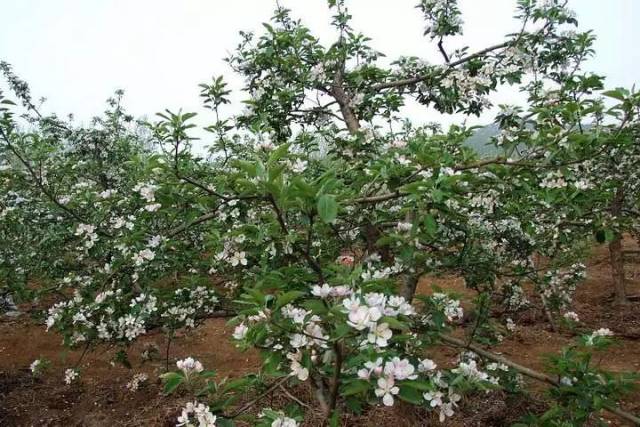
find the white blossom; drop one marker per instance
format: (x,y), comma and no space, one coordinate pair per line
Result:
(400,369)
(386,389)
(190,366)
(380,334)
(136,381)
(70,375)
(283,421)
(240,331)
(202,416)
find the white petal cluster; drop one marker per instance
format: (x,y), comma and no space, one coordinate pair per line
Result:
(240,331)
(553,180)
(188,305)
(190,366)
(572,316)
(70,375)
(451,307)
(443,402)
(137,380)
(602,332)
(88,233)
(143,256)
(386,389)
(283,421)
(297,369)
(146,191)
(231,253)
(196,414)
(326,291)
(97,316)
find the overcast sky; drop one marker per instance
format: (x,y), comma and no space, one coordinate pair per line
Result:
(77,52)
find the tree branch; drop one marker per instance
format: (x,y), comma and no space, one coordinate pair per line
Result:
(443,52)
(418,79)
(40,184)
(202,218)
(252,402)
(530,373)
(339,94)
(335,381)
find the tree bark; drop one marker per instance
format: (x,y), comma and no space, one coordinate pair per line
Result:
(547,311)
(343,100)
(615,252)
(617,269)
(409,285)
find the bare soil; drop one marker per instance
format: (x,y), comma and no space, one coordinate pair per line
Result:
(101,398)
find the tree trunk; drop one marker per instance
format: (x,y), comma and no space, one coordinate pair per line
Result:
(615,252)
(617,269)
(343,100)
(547,311)
(409,285)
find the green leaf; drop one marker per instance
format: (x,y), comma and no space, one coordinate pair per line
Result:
(605,235)
(261,170)
(342,330)
(278,153)
(287,297)
(355,387)
(411,395)
(394,323)
(618,94)
(316,306)
(437,195)
(172,382)
(334,421)
(327,208)
(224,422)
(238,384)
(609,235)
(430,225)
(271,362)
(419,385)
(207,374)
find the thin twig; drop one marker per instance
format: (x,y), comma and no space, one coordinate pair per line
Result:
(295,399)
(252,402)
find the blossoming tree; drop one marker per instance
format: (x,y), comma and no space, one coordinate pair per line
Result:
(320,208)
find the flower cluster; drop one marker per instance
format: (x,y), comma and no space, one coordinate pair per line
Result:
(273,418)
(187,306)
(137,381)
(39,366)
(595,337)
(88,233)
(367,322)
(558,286)
(196,414)
(147,192)
(105,316)
(284,421)
(451,307)
(231,252)
(443,17)
(189,366)
(70,375)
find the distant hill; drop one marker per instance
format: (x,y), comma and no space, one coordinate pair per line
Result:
(480,141)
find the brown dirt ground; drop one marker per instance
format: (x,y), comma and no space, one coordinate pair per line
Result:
(101,398)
